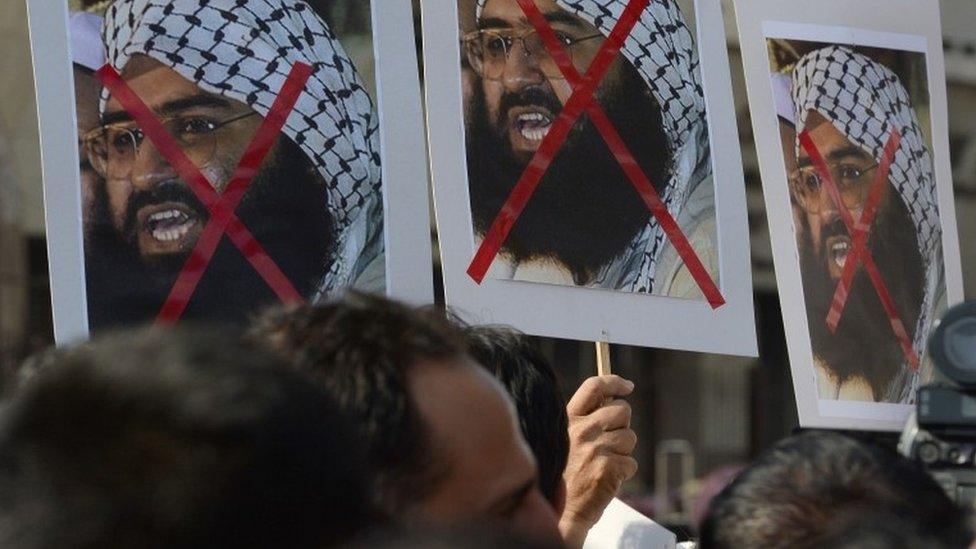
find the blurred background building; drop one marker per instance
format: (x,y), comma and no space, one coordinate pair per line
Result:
(697,415)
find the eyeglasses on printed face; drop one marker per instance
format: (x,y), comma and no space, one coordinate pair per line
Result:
(489,50)
(113,148)
(853,182)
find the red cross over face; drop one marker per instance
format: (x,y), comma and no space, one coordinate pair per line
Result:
(151,206)
(520,86)
(172,148)
(853,171)
(861,328)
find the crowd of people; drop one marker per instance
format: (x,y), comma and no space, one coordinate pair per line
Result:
(358,421)
(365,422)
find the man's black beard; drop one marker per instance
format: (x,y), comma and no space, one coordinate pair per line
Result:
(864,343)
(285,208)
(585,211)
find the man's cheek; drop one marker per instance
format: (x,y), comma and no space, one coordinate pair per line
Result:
(816,233)
(218,171)
(118,198)
(799,225)
(562,89)
(493,98)
(88,181)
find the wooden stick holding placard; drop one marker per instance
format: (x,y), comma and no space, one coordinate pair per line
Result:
(603,358)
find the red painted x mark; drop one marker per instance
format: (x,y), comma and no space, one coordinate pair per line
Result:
(860,233)
(583,99)
(221,207)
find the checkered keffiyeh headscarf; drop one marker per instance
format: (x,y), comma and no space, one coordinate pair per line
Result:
(865,101)
(244,50)
(662,50)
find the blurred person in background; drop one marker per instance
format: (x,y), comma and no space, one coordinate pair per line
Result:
(187,438)
(443,441)
(471,537)
(870,529)
(796,493)
(584,450)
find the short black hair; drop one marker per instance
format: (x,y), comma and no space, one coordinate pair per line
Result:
(360,350)
(184,438)
(531,381)
(874,529)
(795,492)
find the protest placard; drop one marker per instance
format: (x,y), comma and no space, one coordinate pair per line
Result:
(849,110)
(586,168)
(217,158)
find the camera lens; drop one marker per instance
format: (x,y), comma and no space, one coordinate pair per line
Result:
(929,453)
(953,345)
(960,343)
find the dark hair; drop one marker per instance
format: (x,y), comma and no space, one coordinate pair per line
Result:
(471,536)
(181,438)
(872,529)
(797,490)
(361,350)
(529,378)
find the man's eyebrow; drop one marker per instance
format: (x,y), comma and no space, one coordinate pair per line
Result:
(193,101)
(494,23)
(846,152)
(804,162)
(564,18)
(172,107)
(115,117)
(551,17)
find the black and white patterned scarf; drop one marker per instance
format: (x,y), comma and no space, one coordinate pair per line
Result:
(662,50)
(865,101)
(244,50)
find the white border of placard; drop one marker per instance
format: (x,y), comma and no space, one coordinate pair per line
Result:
(581,313)
(911,25)
(407,210)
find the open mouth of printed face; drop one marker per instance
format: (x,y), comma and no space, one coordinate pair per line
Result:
(167,228)
(528,127)
(838,249)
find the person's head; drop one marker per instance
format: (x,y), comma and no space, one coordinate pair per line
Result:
(881,529)
(800,489)
(520,96)
(467,537)
(442,436)
(903,239)
(532,383)
(185,438)
(211,73)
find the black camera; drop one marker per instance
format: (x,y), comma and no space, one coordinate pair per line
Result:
(941,434)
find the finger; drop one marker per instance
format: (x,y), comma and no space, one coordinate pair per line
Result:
(595,391)
(619,468)
(621,442)
(615,415)
(628,468)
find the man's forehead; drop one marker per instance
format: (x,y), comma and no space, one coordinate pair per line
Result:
(139,65)
(824,132)
(153,82)
(159,85)
(511,13)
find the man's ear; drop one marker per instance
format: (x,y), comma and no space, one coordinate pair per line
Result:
(559,498)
